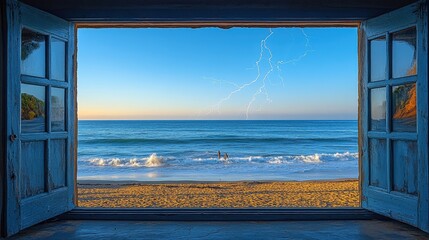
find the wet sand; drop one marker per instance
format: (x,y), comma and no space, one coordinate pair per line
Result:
(335,193)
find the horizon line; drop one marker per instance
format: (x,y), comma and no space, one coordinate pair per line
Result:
(218,119)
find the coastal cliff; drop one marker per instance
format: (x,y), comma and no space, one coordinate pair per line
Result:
(31,107)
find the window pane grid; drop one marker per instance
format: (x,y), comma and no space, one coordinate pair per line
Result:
(44,88)
(399,86)
(38,48)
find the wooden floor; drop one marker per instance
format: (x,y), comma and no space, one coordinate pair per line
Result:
(346,229)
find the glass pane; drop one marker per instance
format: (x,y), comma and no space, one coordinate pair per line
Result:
(378,59)
(378,109)
(404,61)
(32,108)
(58,59)
(378,163)
(404,108)
(57,109)
(33,53)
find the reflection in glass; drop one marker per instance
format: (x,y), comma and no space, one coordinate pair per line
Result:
(32,108)
(57,109)
(404,61)
(58,59)
(378,59)
(404,108)
(33,53)
(378,109)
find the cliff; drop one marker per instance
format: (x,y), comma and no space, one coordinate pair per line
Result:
(31,107)
(405,101)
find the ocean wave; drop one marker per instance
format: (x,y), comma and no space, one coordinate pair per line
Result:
(249,158)
(316,158)
(152,161)
(310,159)
(277,160)
(214,140)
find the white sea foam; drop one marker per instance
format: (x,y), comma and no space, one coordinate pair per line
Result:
(152,161)
(315,158)
(276,160)
(346,156)
(115,162)
(251,158)
(97,161)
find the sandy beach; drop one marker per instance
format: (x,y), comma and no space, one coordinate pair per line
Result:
(335,193)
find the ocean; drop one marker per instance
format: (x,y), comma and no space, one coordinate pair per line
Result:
(188,150)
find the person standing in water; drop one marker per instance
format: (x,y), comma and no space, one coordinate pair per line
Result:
(225,157)
(218,155)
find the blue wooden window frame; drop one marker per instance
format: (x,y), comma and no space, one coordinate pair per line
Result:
(167,214)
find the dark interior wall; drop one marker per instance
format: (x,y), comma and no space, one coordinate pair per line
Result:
(2,108)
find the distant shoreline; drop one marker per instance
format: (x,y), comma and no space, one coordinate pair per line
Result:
(244,120)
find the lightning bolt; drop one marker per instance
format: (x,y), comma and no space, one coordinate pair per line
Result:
(262,89)
(220,81)
(241,87)
(299,58)
(295,60)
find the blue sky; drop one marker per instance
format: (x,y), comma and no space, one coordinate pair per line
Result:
(212,73)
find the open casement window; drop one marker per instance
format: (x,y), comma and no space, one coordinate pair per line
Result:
(40,168)
(41,116)
(394,115)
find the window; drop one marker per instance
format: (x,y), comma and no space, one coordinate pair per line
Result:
(393,112)
(163,118)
